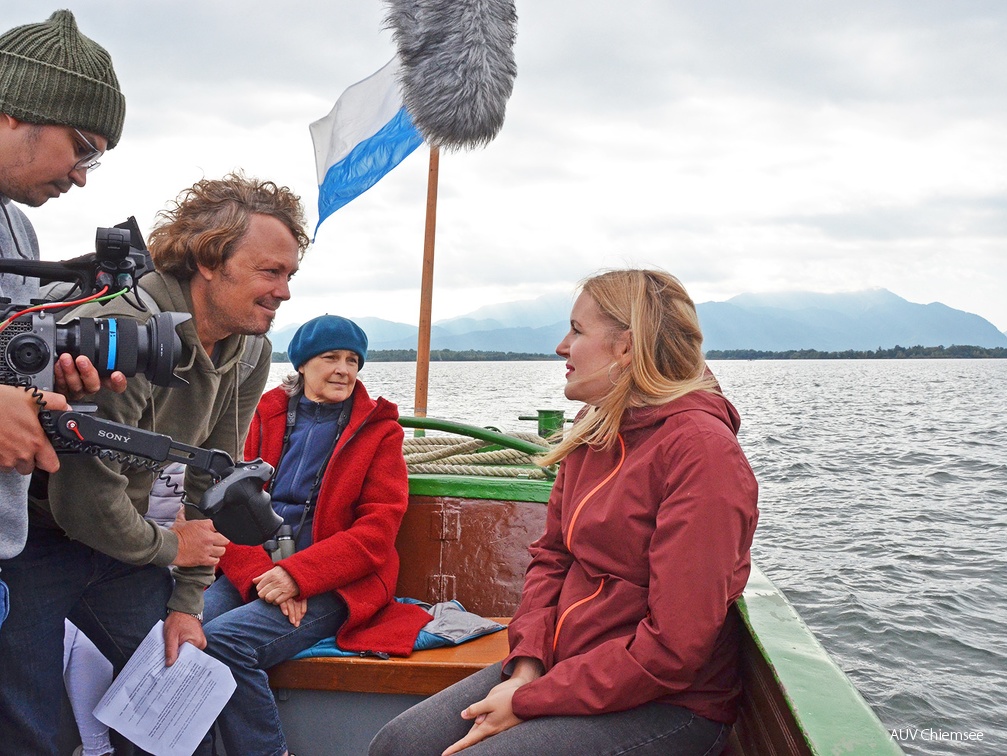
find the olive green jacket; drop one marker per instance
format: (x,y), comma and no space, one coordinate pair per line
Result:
(100,502)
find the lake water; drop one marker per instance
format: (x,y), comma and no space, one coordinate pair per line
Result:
(883,497)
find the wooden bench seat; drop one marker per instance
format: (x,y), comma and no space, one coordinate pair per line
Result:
(423,673)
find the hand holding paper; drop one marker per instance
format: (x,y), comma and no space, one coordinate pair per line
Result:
(166,710)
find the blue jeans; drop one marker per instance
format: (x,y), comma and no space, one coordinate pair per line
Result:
(113,603)
(651,729)
(250,638)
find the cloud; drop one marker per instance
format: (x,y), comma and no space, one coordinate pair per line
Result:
(745,147)
(949,218)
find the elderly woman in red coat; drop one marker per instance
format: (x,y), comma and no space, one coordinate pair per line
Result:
(341,488)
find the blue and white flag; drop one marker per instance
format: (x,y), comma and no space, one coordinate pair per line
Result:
(366,134)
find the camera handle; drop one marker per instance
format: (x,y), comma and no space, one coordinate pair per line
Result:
(88,273)
(236,503)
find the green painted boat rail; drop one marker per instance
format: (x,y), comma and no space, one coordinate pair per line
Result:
(476,487)
(829,711)
(483,434)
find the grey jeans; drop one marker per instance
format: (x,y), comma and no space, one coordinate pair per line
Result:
(435,723)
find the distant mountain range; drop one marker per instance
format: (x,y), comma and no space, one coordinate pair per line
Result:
(862,320)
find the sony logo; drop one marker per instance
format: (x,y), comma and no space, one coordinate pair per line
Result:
(113,436)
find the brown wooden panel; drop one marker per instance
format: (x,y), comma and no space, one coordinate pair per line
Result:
(765,726)
(419,553)
(422,673)
(490,557)
(479,547)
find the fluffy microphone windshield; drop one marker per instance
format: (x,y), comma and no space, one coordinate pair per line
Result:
(458,66)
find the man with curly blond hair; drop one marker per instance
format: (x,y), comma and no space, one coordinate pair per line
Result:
(225,253)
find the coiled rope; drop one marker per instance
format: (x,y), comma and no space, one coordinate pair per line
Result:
(446,455)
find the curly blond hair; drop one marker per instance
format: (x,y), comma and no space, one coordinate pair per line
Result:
(208,220)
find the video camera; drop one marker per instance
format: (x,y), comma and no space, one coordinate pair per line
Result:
(31,340)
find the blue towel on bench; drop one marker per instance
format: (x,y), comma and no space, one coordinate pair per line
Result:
(451,626)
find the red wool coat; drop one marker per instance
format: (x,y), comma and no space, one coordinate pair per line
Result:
(361,502)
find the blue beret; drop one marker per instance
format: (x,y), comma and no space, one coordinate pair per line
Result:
(323,334)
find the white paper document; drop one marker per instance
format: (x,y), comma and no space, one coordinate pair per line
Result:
(166,710)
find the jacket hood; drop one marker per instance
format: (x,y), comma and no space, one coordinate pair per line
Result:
(274,402)
(713,404)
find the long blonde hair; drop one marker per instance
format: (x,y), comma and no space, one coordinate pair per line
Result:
(666,356)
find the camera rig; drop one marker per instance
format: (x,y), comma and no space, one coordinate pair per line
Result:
(236,502)
(31,340)
(115,263)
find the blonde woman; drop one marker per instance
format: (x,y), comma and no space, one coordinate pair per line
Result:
(623,641)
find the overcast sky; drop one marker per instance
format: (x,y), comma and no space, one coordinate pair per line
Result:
(743,146)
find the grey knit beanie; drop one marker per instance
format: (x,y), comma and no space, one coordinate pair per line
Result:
(50,73)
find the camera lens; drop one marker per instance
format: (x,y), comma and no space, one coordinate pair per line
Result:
(129,346)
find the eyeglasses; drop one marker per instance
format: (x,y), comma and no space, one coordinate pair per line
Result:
(90,161)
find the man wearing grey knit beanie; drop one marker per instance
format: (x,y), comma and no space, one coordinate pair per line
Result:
(60,109)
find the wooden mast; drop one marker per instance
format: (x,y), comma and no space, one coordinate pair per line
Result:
(426,291)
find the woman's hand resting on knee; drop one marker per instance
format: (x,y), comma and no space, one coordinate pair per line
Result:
(294,610)
(276,586)
(495,712)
